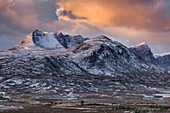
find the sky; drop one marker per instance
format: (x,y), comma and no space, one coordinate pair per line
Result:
(128,21)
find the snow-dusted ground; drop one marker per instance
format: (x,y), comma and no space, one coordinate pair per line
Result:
(5,107)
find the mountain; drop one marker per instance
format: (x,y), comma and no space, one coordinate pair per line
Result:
(89,64)
(143,50)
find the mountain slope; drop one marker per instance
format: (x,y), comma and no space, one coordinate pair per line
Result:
(163,61)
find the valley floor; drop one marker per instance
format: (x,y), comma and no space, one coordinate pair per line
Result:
(93,102)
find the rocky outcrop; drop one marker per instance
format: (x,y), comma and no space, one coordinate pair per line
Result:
(69,41)
(144,52)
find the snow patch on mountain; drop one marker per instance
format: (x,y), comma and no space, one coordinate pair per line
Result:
(143,44)
(46,40)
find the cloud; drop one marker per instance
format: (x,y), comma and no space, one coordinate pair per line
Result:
(129,21)
(68,16)
(25,15)
(152,15)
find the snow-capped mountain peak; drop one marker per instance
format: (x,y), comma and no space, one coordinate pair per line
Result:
(39,40)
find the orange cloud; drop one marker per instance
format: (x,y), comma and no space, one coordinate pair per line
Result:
(129,21)
(1,3)
(152,15)
(139,36)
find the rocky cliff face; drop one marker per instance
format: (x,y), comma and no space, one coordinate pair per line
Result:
(69,41)
(145,53)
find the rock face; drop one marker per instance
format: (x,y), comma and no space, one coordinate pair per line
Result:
(76,58)
(69,41)
(144,52)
